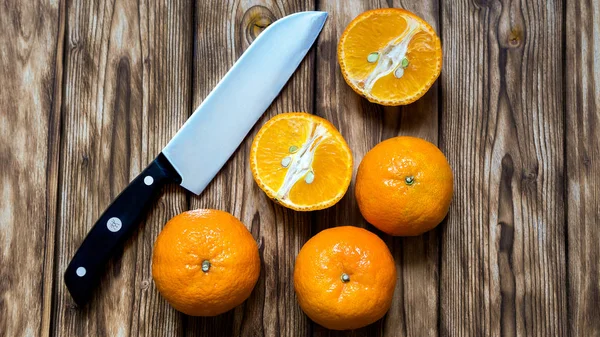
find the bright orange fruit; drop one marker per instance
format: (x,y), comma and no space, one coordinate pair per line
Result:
(344,278)
(404,186)
(301,161)
(390,56)
(205,262)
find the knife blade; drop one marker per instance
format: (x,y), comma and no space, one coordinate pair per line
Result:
(240,99)
(203,144)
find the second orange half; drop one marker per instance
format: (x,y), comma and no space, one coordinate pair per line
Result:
(390,56)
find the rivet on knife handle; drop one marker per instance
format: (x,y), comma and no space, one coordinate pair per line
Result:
(114,227)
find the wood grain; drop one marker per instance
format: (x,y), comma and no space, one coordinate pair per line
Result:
(167,50)
(127,82)
(364,125)
(93,90)
(30,69)
(357,120)
(224,29)
(503,254)
(582,81)
(416,302)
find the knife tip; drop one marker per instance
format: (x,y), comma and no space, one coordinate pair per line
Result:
(321,16)
(317,13)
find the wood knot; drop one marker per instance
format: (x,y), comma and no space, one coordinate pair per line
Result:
(586,160)
(255,20)
(482,3)
(515,38)
(529,177)
(145,284)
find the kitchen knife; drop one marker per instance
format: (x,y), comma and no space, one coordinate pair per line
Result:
(203,144)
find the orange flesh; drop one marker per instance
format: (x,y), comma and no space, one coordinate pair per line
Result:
(398,34)
(319,151)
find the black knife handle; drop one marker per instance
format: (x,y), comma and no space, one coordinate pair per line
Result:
(114,226)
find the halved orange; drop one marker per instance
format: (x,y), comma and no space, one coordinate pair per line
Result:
(301,161)
(390,56)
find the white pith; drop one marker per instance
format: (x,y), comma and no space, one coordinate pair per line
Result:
(390,57)
(301,160)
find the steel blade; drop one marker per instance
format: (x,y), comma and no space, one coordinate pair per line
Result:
(217,127)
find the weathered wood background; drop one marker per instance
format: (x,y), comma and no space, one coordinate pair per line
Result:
(92,90)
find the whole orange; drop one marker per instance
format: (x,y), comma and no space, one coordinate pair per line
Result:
(344,278)
(205,262)
(404,186)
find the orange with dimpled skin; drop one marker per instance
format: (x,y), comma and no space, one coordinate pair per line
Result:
(344,278)
(205,262)
(404,186)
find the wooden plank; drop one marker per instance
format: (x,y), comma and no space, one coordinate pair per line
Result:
(127,81)
(359,121)
(167,77)
(582,83)
(224,29)
(364,125)
(416,302)
(503,259)
(31,71)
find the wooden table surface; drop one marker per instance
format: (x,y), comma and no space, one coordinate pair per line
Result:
(91,92)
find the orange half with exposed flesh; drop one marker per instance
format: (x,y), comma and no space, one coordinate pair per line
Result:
(390,56)
(301,161)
